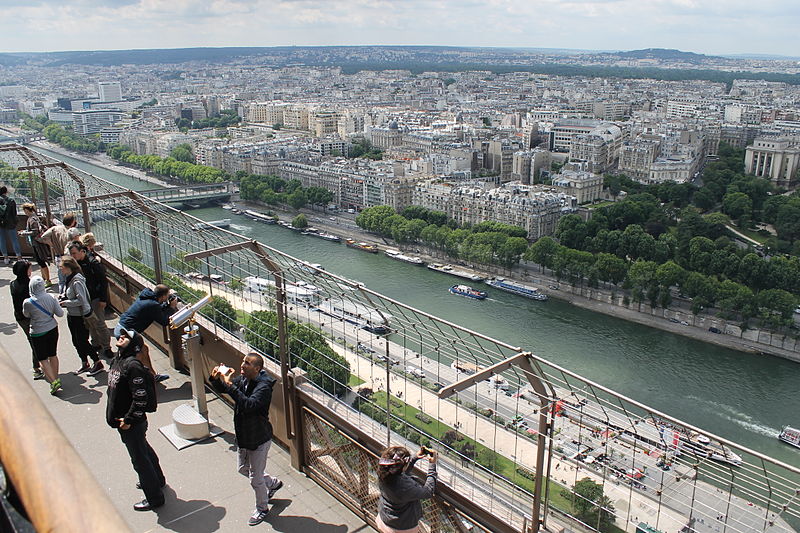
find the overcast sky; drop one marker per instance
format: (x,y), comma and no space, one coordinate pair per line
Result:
(704,26)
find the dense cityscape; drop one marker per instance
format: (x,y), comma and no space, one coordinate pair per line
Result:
(655,186)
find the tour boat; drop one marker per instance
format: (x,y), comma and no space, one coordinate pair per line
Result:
(469,292)
(395,254)
(367,318)
(361,246)
(448,269)
(790,435)
(516,287)
(224,223)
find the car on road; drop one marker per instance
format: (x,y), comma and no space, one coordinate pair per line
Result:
(712,329)
(363,348)
(415,371)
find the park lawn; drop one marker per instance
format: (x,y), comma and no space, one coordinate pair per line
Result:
(354,381)
(756,236)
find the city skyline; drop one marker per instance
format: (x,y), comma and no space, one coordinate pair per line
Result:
(581,24)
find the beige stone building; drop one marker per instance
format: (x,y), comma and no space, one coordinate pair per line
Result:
(774,158)
(586,187)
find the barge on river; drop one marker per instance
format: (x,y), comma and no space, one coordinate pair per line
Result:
(516,287)
(448,269)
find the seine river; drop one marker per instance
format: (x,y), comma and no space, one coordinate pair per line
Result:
(746,398)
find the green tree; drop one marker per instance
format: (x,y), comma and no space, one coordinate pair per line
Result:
(135,253)
(739,206)
(222,313)
(543,252)
(297,199)
(610,268)
(591,505)
(181,265)
(300,221)
(183,152)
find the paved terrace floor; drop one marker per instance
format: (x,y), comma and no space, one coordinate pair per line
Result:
(204,491)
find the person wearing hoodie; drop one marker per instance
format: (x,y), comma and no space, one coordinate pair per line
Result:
(127,396)
(152,305)
(97,284)
(75,299)
(41,308)
(19,292)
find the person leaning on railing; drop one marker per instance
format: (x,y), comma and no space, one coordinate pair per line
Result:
(399,507)
(57,236)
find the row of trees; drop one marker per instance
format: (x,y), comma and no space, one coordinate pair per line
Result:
(363,148)
(71,140)
(487,243)
(273,190)
(655,282)
(308,350)
(169,167)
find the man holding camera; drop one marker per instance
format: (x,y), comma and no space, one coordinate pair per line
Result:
(252,393)
(153,305)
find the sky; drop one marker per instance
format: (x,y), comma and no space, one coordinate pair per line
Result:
(702,26)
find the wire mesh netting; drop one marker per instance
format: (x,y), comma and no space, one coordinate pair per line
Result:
(609,463)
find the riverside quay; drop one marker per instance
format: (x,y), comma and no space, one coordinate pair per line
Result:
(524,444)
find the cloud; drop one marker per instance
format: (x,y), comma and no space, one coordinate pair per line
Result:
(696,25)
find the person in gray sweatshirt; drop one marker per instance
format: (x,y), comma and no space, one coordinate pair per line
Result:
(399,507)
(75,299)
(41,308)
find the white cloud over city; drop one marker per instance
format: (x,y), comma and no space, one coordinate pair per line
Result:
(733,26)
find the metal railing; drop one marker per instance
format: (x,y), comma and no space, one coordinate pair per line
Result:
(361,370)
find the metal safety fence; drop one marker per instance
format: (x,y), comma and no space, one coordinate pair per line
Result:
(524,444)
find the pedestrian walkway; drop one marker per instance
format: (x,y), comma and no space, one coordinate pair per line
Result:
(204,492)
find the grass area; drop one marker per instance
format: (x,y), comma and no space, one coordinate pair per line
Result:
(354,381)
(756,236)
(598,205)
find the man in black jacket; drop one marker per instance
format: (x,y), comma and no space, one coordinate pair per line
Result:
(252,393)
(127,400)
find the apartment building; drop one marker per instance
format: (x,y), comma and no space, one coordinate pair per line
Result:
(636,157)
(585,186)
(563,131)
(535,210)
(527,165)
(598,149)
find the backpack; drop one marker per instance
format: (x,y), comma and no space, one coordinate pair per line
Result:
(150,385)
(8,213)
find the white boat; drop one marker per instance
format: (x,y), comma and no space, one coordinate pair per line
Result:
(357,314)
(224,223)
(300,293)
(466,367)
(790,435)
(515,287)
(448,269)
(396,254)
(261,217)
(703,446)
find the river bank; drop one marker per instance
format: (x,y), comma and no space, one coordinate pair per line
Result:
(674,320)
(103,160)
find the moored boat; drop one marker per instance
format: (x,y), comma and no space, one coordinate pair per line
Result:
(371,248)
(367,318)
(448,269)
(790,435)
(516,287)
(469,292)
(395,254)
(261,217)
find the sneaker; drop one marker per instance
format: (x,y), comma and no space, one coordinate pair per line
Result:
(55,386)
(38,374)
(257,518)
(84,368)
(275,489)
(48,284)
(161,377)
(96,368)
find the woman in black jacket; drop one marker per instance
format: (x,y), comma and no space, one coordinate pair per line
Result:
(19,292)
(399,507)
